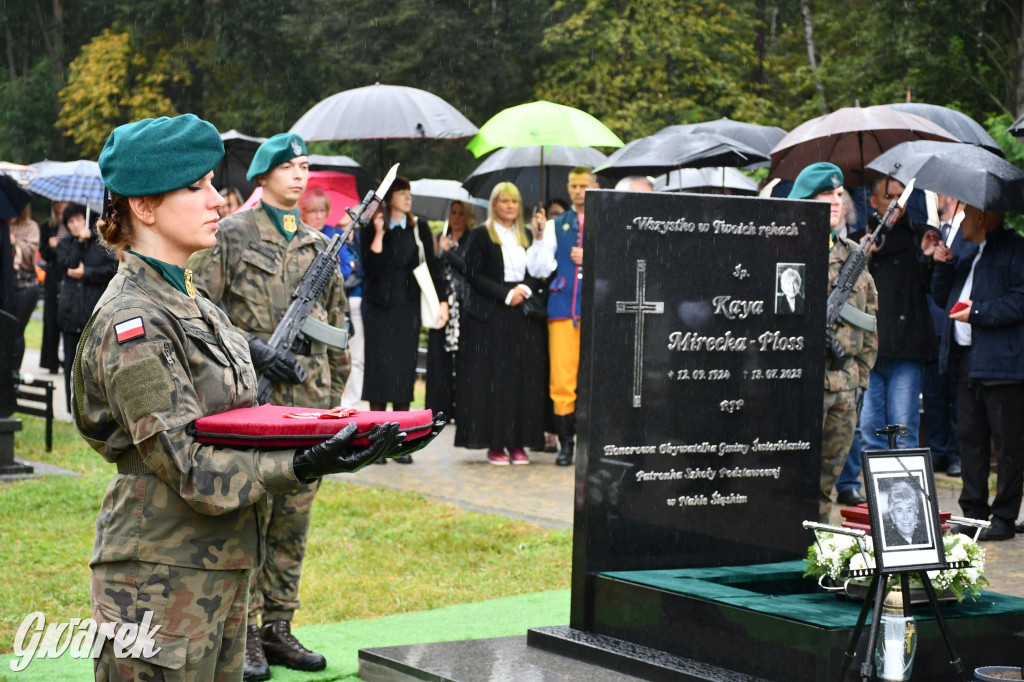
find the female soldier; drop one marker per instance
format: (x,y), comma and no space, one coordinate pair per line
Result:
(178,530)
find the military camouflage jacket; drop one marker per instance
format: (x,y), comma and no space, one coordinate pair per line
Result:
(151,361)
(861,347)
(252,272)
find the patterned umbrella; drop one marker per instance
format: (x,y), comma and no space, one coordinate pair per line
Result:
(76,181)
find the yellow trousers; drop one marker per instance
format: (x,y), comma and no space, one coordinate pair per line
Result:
(564,354)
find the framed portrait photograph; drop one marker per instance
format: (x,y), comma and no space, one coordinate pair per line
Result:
(789,288)
(904,512)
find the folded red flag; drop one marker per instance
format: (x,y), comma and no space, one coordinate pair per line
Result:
(276,426)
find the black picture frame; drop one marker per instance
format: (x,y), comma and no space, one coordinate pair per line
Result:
(905,526)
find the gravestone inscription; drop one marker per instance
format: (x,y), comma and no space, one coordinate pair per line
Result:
(700,398)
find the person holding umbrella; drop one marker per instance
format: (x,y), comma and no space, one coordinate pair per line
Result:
(559,250)
(984,345)
(824,182)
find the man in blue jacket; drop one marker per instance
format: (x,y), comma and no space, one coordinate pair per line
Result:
(984,344)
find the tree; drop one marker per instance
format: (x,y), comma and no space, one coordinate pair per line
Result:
(640,65)
(110,83)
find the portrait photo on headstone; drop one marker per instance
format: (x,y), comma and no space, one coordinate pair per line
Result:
(789,288)
(904,512)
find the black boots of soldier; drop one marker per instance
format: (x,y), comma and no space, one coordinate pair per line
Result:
(565,426)
(276,644)
(256,667)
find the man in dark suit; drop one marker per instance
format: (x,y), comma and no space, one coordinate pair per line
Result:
(984,343)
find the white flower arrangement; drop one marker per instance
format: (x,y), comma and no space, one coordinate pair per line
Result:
(836,555)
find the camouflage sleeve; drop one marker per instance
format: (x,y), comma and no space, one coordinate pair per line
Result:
(869,348)
(151,396)
(337,305)
(209,268)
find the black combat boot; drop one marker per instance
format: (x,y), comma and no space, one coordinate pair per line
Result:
(566,425)
(282,648)
(256,667)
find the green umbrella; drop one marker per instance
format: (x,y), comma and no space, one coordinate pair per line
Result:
(542,123)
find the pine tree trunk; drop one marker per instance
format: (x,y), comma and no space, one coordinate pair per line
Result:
(805,9)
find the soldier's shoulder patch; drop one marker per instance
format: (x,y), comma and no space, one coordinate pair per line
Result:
(130,329)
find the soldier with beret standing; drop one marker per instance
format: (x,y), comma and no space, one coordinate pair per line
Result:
(855,332)
(178,532)
(259,259)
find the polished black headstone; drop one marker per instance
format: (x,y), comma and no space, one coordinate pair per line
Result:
(700,397)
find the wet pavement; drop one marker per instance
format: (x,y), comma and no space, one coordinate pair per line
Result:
(542,493)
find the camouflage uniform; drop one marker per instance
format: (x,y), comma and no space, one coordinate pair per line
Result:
(179,529)
(252,272)
(841,385)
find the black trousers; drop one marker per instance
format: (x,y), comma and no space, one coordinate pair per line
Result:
(21,304)
(990,414)
(71,340)
(48,353)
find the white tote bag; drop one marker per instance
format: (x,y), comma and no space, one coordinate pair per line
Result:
(430,306)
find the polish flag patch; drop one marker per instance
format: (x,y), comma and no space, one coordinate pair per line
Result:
(130,329)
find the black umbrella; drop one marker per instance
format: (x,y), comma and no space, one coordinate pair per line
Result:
(665,152)
(238,152)
(345,164)
(971,174)
(963,127)
(1017,129)
(521,166)
(12,197)
(761,138)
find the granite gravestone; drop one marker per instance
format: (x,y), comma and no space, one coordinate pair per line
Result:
(700,401)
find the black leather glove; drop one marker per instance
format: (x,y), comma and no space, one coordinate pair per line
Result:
(279,366)
(409,447)
(335,456)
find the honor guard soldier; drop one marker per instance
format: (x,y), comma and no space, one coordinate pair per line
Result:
(855,333)
(260,257)
(178,534)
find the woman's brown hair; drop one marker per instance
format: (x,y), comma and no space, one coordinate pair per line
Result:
(115,227)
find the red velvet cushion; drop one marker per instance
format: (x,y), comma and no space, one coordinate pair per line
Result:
(275,426)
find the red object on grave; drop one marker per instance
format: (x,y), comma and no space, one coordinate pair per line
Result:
(859,518)
(278,426)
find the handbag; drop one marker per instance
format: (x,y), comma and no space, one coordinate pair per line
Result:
(430,306)
(536,306)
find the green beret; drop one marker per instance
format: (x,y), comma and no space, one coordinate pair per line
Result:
(275,151)
(157,155)
(815,179)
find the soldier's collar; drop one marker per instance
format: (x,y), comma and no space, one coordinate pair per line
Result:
(178,277)
(285,222)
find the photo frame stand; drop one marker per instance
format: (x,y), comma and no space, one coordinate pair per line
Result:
(877,590)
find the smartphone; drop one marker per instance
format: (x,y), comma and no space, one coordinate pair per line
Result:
(960,305)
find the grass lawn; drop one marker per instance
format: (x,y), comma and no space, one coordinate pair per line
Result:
(372,552)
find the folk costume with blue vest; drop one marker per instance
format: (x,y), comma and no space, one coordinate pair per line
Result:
(565,296)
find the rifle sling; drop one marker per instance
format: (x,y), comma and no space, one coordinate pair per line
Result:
(321,331)
(857,318)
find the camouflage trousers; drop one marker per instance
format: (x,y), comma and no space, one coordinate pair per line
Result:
(201,615)
(837,436)
(274,587)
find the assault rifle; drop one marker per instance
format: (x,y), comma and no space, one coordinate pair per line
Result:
(323,268)
(854,265)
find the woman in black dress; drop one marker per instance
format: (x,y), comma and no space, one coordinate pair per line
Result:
(391,300)
(443,344)
(87,268)
(502,364)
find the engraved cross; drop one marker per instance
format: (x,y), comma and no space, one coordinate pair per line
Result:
(639,307)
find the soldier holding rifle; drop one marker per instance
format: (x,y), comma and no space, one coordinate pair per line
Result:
(260,258)
(853,332)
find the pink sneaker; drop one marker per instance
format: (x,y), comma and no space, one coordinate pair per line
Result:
(497,457)
(519,456)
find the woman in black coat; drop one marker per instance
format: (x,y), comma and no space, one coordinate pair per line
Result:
(391,300)
(443,343)
(87,268)
(502,364)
